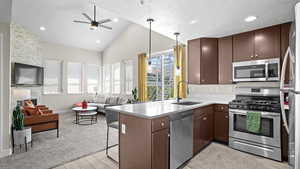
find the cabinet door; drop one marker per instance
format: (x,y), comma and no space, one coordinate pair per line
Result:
(160,149)
(243,46)
(285,31)
(267,43)
(209,61)
(221,126)
(198,140)
(225,60)
(194,61)
(210,125)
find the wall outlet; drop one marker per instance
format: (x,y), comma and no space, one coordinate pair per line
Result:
(123,129)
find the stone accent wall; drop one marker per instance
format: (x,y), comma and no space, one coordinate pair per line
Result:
(25,48)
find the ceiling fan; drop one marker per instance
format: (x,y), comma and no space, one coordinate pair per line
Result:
(93,22)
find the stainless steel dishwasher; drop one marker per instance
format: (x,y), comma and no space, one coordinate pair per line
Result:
(181,138)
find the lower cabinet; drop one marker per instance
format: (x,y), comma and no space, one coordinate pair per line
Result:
(203,127)
(160,149)
(221,123)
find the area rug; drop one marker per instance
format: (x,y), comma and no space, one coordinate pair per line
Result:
(75,141)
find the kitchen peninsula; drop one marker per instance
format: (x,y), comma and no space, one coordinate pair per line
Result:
(165,134)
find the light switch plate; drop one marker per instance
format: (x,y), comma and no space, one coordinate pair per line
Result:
(123,129)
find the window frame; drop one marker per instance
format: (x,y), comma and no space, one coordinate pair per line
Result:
(81,81)
(86,78)
(116,65)
(60,81)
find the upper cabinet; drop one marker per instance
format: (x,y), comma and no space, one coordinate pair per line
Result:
(225,60)
(243,46)
(285,32)
(267,43)
(194,61)
(259,44)
(203,61)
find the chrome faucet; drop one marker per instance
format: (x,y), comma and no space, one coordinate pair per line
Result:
(178,84)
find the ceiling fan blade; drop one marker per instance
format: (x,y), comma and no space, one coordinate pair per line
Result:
(104,21)
(81,22)
(107,27)
(88,17)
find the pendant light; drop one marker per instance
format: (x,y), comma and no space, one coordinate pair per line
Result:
(177,71)
(150,20)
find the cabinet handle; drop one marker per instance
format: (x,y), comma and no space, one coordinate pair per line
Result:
(202,80)
(226,117)
(204,118)
(222,108)
(251,56)
(162,124)
(256,55)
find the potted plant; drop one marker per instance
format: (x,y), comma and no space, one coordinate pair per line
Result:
(19,132)
(134,96)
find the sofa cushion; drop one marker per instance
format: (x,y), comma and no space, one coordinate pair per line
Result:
(100,99)
(31,111)
(122,100)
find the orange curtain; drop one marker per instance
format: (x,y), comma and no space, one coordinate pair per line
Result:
(142,83)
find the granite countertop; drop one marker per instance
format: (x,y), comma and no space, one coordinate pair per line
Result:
(158,108)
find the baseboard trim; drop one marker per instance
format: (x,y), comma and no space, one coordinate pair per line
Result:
(5,152)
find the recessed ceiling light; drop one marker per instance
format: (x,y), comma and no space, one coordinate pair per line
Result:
(116,19)
(98,41)
(250,18)
(193,21)
(42,28)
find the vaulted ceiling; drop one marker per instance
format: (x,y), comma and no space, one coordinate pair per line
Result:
(192,18)
(57,17)
(199,18)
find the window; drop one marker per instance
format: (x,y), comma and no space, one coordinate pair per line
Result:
(116,83)
(52,77)
(128,76)
(160,76)
(106,78)
(92,78)
(74,78)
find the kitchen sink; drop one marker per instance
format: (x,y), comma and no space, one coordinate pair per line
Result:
(187,103)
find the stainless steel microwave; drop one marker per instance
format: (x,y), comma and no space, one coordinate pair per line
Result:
(257,70)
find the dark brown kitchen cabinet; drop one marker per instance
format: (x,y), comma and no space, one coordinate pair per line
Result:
(243,46)
(203,127)
(225,60)
(209,61)
(203,61)
(160,147)
(194,61)
(285,31)
(221,123)
(143,143)
(267,43)
(259,44)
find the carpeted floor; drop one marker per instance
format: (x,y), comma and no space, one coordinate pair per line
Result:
(74,142)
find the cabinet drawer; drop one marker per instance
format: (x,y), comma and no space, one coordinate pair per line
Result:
(200,111)
(221,107)
(160,123)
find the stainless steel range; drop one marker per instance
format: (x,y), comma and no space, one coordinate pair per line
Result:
(266,142)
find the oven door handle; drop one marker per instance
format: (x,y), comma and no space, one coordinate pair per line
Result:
(263,114)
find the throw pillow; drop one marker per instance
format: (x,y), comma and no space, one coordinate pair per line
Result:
(29,103)
(40,112)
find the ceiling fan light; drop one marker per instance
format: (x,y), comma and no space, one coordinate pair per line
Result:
(93,27)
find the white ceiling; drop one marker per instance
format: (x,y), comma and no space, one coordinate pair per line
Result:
(57,17)
(215,17)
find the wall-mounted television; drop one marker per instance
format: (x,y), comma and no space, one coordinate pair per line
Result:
(27,75)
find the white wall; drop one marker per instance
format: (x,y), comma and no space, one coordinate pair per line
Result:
(64,101)
(27,48)
(5,17)
(132,42)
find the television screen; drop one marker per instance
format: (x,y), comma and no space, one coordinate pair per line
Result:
(28,74)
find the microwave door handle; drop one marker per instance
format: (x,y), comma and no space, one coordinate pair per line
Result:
(267,71)
(282,79)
